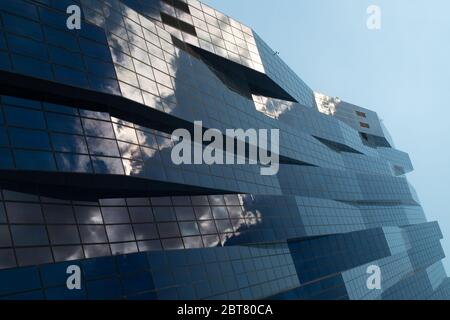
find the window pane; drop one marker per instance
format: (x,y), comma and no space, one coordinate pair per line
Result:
(68,143)
(30,160)
(68,253)
(141,214)
(93,234)
(168,230)
(103,147)
(88,215)
(24,117)
(107,165)
(73,163)
(93,251)
(145,231)
(63,235)
(24,213)
(5,237)
(29,139)
(56,214)
(113,215)
(184,213)
(97,128)
(189,229)
(29,235)
(120,233)
(63,123)
(34,256)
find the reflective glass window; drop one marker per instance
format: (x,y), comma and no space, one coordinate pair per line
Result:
(60,235)
(145,231)
(115,215)
(27,47)
(22,26)
(68,143)
(107,165)
(34,256)
(24,117)
(189,229)
(29,235)
(30,139)
(30,160)
(168,230)
(73,163)
(93,234)
(68,253)
(63,123)
(24,212)
(119,233)
(141,214)
(58,214)
(97,128)
(5,237)
(103,147)
(88,215)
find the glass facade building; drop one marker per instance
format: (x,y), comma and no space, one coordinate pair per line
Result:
(87,179)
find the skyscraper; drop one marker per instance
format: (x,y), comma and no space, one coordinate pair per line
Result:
(88,182)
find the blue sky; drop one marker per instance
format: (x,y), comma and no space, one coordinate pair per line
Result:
(400,71)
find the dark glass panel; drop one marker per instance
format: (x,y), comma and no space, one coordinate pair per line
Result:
(29,139)
(29,235)
(88,215)
(24,118)
(57,214)
(24,212)
(60,235)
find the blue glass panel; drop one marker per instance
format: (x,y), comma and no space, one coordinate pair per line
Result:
(104,85)
(32,67)
(31,160)
(92,32)
(22,26)
(21,8)
(6,160)
(5,63)
(71,77)
(18,280)
(27,47)
(52,18)
(24,118)
(108,289)
(107,165)
(60,108)
(98,268)
(69,143)
(26,103)
(34,295)
(137,283)
(3,138)
(103,147)
(63,123)
(133,263)
(73,163)
(95,50)
(63,293)
(61,39)
(29,139)
(2,41)
(100,68)
(63,57)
